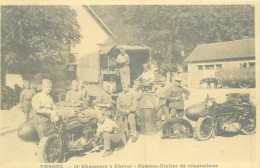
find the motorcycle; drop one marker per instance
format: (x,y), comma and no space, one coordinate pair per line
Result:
(65,132)
(236,114)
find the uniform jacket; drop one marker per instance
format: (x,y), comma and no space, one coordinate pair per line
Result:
(104,98)
(73,96)
(176,97)
(42,100)
(126,102)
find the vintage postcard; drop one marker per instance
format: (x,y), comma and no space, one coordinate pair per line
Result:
(129,84)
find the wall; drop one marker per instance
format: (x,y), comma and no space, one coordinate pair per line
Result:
(12,79)
(92,33)
(195,75)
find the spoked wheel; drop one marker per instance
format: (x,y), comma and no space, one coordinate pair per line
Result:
(204,128)
(249,124)
(50,149)
(177,128)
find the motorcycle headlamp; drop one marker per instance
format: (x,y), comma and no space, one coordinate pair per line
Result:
(55,117)
(210,103)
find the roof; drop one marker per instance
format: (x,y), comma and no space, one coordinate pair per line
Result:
(108,48)
(132,47)
(237,49)
(99,21)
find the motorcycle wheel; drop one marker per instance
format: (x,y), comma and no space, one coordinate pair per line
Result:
(177,128)
(249,125)
(204,129)
(50,149)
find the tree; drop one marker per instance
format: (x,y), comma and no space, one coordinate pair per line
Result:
(178,28)
(36,38)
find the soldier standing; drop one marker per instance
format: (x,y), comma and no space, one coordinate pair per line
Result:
(26,99)
(104,100)
(127,105)
(162,93)
(123,62)
(137,94)
(176,102)
(73,95)
(147,78)
(83,91)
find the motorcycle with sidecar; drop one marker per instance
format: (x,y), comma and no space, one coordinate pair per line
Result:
(236,114)
(69,129)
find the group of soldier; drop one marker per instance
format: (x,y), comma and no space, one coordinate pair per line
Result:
(169,103)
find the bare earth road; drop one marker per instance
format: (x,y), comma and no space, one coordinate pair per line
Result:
(233,152)
(149,148)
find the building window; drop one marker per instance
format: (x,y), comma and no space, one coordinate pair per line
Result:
(251,64)
(246,64)
(243,65)
(200,67)
(218,66)
(209,67)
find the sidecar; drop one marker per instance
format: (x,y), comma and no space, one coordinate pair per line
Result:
(27,131)
(234,102)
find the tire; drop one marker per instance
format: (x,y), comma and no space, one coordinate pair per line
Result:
(200,133)
(42,153)
(177,128)
(249,129)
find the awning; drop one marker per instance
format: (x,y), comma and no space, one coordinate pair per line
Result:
(132,47)
(108,48)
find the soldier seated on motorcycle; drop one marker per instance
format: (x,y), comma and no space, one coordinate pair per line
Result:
(74,101)
(42,103)
(114,137)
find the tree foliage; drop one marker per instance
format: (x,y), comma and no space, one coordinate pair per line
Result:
(174,31)
(36,38)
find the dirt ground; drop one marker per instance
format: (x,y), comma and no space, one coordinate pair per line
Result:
(237,150)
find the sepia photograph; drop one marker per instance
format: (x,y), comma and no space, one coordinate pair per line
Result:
(129,85)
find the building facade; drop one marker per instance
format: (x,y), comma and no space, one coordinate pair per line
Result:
(206,59)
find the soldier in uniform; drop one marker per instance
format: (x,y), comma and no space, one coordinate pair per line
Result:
(41,102)
(127,105)
(114,137)
(137,94)
(161,93)
(104,100)
(147,78)
(26,99)
(83,91)
(123,62)
(176,102)
(73,95)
